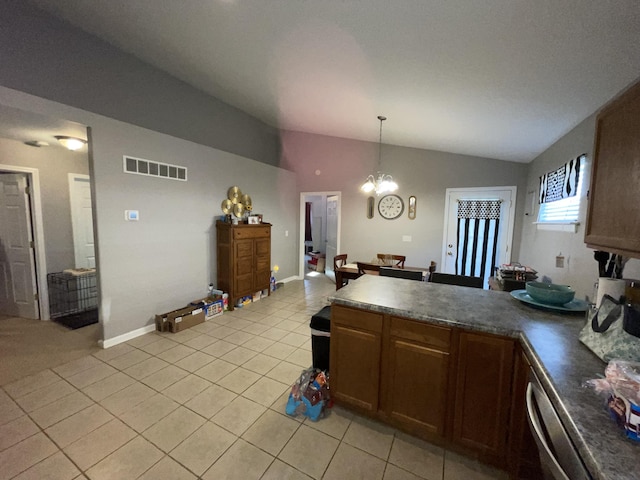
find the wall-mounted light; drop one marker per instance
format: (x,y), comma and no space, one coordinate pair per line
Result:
(72,143)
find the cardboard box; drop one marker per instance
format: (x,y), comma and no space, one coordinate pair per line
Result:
(180,319)
(212,308)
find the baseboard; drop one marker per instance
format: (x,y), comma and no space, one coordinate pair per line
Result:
(125,337)
(289,279)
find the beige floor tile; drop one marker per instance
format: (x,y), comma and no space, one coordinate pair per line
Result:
(17,430)
(60,409)
(127,398)
(200,342)
(184,390)
(222,332)
(238,415)
(240,324)
(305,440)
(279,350)
(301,357)
(303,329)
(335,422)
(99,443)
(29,384)
(129,461)
(281,471)
(287,325)
(45,395)
(75,366)
(258,344)
(145,368)
(295,339)
(183,336)
(394,473)
(199,451)
(128,359)
(239,355)
(176,353)
(143,340)
(256,328)
(91,375)
(108,386)
(239,337)
(165,378)
(160,346)
(25,454)
(458,466)
(57,467)
(77,426)
(349,462)
(261,363)
(216,370)
(167,469)
(265,391)
(253,460)
(210,401)
(372,437)
(9,410)
(274,334)
(205,327)
(195,361)
(149,412)
(416,456)
(239,380)
(174,428)
(219,348)
(113,352)
(271,432)
(307,346)
(285,372)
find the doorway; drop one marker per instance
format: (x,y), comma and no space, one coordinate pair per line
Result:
(325,230)
(478,230)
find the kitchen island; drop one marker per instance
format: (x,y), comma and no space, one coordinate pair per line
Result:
(549,340)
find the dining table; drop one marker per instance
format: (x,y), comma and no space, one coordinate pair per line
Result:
(350,272)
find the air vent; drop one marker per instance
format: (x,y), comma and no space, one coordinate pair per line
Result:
(140,166)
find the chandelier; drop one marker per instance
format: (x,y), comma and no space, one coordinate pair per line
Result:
(381,182)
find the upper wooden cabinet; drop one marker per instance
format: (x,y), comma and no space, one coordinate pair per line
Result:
(613,218)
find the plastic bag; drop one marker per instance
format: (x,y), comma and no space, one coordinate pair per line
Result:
(310,394)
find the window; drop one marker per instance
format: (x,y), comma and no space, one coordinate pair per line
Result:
(565,211)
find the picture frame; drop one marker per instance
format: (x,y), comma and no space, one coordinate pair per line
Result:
(254,219)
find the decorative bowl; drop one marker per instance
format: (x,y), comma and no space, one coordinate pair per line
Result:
(550,293)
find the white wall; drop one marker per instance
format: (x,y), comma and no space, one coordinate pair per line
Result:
(539,247)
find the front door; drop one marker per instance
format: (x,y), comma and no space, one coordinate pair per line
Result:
(17,262)
(478,230)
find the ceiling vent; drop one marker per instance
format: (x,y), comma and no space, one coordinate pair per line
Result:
(140,166)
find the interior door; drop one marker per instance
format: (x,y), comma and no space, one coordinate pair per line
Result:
(333,203)
(82,220)
(473,239)
(17,261)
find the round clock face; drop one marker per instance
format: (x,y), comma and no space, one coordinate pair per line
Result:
(390,207)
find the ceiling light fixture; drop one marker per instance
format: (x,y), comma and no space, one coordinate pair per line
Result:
(72,143)
(381,183)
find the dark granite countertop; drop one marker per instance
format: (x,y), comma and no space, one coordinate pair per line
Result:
(550,340)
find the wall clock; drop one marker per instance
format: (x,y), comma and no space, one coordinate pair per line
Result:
(390,207)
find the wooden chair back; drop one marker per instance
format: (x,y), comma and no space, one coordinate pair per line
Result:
(461,280)
(396,260)
(339,261)
(367,267)
(400,273)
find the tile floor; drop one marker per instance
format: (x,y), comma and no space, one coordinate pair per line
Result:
(205,403)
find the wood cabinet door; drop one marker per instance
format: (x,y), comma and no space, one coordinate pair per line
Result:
(417,386)
(355,367)
(262,260)
(243,281)
(483,394)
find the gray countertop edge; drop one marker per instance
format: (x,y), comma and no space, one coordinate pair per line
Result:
(549,340)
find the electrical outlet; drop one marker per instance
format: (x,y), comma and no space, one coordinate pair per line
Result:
(559,261)
(406,238)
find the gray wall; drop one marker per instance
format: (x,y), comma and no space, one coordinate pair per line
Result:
(44,56)
(344,164)
(540,247)
(54,164)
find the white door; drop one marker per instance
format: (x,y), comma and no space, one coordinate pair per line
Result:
(473,246)
(17,262)
(82,220)
(333,204)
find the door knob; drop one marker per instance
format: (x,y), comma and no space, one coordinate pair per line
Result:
(450,245)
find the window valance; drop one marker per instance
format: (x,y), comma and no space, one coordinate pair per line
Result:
(561,183)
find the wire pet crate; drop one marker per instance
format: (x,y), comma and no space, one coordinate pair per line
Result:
(72,291)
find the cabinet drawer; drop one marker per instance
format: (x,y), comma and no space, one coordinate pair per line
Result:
(250,232)
(353,317)
(432,335)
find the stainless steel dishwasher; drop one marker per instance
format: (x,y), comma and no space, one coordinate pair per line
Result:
(558,456)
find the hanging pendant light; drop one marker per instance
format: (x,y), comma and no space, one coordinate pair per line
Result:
(381,182)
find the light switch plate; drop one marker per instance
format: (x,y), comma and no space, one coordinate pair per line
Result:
(131,215)
(406,238)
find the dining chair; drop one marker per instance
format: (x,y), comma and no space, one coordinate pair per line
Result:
(339,261)
(367,267)
(395,260)
(400,273)
(461,280)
